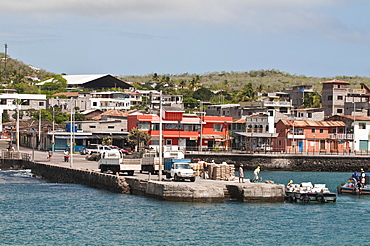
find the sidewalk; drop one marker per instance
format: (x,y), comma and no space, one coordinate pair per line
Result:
(79,161)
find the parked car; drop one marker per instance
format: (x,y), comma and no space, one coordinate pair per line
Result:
(123,151)
(83,151)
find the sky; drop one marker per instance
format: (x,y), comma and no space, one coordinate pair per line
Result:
(318,38)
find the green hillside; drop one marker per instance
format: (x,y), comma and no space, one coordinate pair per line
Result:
(17,75)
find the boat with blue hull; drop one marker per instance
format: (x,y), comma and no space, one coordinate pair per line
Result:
(308,193)
(356,185)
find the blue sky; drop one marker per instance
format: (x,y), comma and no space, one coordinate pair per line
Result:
(321,38)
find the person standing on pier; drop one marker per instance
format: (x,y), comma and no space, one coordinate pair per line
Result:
(50,155)
(241,174)
(256,173)
(362,178)
(66,156)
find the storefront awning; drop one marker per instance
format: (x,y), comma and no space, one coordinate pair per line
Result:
(258,135)
(68,137)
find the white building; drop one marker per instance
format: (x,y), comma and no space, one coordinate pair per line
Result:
(12,101)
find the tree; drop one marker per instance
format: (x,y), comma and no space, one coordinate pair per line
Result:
(312,100)
(107,141)
(190,102)
(138,139)
(203,94)
(5,116)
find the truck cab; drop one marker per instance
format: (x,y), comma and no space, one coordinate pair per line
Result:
(179,169)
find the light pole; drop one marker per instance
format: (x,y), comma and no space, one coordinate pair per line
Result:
(71,137)
(160,139)
(53,136)
(179,128)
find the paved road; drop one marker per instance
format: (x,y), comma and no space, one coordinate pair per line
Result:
(79,162)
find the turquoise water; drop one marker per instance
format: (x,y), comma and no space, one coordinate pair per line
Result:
(35,212)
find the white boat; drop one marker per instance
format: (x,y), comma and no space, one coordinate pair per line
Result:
(306,193)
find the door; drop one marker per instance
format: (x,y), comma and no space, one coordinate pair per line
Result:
(300,146)
(364,144)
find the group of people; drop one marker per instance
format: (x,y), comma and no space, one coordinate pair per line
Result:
(65,155)
(359,179)
(256,173)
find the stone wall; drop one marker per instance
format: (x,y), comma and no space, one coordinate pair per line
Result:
(290,162)
(67,175)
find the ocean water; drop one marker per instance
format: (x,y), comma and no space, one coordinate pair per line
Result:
(36,212)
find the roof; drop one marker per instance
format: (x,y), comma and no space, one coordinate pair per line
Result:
(114,112)
(335,81)
(239,120)
(92,81)
(353,117)
(67,94)
(308,123)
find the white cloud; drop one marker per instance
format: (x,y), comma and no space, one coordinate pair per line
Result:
(278,16)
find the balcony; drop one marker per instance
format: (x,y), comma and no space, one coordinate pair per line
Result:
(340,136)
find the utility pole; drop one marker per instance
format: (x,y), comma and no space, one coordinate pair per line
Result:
(160,140)
(5,60)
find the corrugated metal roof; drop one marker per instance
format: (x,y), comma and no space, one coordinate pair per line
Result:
(305,123)
(356,117)
(335,81)
(77,79)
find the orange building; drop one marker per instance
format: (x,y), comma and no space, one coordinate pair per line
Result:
(310,136)
(181,132)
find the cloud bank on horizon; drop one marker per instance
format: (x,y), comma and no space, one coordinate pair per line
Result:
(278,16)
(325,27)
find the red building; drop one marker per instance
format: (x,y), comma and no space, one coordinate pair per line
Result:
(181,132)
(310,136)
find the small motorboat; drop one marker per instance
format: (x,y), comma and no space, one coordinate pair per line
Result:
(355,187)
(307,193)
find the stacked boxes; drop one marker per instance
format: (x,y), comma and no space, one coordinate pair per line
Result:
(221,171)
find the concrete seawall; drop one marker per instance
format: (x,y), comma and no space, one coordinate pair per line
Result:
(330,163)
(199,191)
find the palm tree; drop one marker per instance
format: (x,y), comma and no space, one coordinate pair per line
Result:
(138,138)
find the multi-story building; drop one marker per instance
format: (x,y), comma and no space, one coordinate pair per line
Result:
(11,102)
(182,132)
(297,94)
(310,137)
(334,93)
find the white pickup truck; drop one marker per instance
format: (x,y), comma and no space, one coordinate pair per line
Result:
(112,160)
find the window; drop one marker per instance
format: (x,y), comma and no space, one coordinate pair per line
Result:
(3,102)
(309,115)
(191,128)
(143,126)
(339,110)
(217,127)
(168,141)
(330,98)
(321,130)
(95,104)
(340,97)
(155,142)
(279,142)
(110,127)
(92,126)
(362,126)
(155,127)
(41,103)
(313,130)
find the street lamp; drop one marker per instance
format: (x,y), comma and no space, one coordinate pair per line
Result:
(71,137)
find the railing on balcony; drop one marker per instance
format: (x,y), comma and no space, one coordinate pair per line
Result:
(340,136)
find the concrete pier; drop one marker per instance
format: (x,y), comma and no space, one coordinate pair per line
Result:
(86,173)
